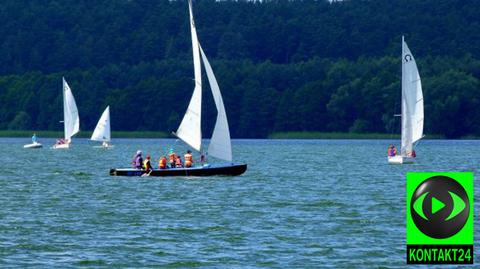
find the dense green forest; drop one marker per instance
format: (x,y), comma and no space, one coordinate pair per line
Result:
(281,65)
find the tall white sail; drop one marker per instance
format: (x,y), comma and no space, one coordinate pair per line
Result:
(102,131)
(190,128)
(70,112)
(220,146)
(412,101)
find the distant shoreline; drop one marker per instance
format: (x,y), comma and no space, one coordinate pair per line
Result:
(276,135)
(84,134)
(338,135)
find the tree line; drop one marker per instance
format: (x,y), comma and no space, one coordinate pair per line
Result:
(281,65)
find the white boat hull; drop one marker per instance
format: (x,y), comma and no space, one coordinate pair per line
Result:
(34,145)
(400,160)
(61,146)
(104,147)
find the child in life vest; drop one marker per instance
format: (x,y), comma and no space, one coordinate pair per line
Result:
(392,151)
(178,162)
(147,165)
(162,162)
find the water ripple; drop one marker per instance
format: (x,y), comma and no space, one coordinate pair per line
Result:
(301,204)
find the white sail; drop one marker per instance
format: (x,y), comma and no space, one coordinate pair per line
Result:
(220,146)
(412,101)
(190,128)
(102,131)
(70,112)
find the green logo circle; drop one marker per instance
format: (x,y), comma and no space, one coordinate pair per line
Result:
(440,207)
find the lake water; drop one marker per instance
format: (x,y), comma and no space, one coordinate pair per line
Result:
(301,203)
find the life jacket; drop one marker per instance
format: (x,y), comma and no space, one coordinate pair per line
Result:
(172,156)
(138,161)
(188,160)
(178,162)
(146,164)
(162,163)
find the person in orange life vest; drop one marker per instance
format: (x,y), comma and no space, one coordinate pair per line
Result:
(162,162)
(178,162)
(188,159)
(172,158)
(392,151)
(147,165)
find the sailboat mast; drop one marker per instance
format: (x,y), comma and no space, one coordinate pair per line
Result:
(65,128)
(404,107)
(189,130)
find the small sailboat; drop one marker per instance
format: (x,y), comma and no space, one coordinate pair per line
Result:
(412,108)
(190,131)
(71,121)
(102,130)
(34,145)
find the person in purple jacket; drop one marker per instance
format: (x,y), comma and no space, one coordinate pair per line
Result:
(137,160)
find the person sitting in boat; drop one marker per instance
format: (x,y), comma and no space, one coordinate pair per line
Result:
(147,165)
(412,154)
(60,141)
(188,159)
(34,138)
(392,151)
(172,158)
(178,162)
(162,162)
(137,160)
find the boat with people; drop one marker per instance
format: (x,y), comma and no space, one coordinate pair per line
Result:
(71,120)
(412,110)
(190,131)
(34,145)
(102,130)
(206,170)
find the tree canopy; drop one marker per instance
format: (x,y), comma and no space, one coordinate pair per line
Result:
(281,65)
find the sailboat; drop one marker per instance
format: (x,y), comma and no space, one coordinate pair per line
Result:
(34,145)
(190,131)
(71,121)
(412,108)
(102,130)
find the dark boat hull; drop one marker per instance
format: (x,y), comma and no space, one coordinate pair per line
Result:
(213,170)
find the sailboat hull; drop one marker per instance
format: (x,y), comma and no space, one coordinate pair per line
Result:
(211,170)
(34,145)
(400,160)
(104,147)
(61,146)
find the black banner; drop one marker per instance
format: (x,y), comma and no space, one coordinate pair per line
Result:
(439,254)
